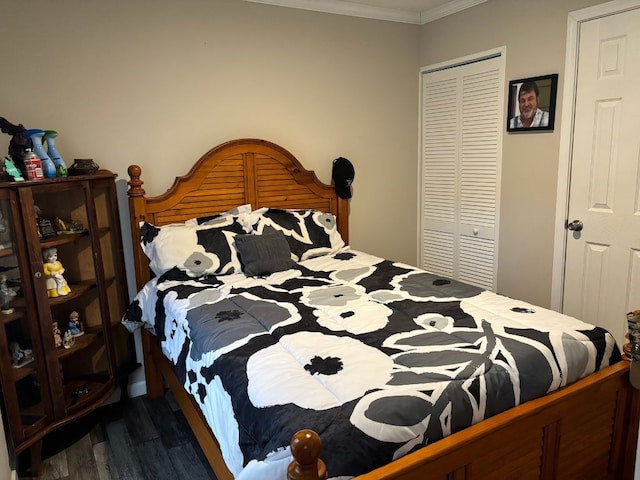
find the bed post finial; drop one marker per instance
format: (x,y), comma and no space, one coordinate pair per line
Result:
(305,448)
(135,184)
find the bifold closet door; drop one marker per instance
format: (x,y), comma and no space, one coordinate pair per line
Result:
(460,170)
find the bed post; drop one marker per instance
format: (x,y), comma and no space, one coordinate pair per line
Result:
(137,209)
(137,214)
(305,448)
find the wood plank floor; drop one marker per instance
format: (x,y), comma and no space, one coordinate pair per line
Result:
(144,439)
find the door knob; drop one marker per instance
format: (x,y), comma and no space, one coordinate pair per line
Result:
(576,225)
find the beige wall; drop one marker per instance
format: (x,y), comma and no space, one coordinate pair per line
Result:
(534,33)
(160,83)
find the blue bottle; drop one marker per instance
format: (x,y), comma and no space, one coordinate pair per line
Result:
(52,151)
(35,136)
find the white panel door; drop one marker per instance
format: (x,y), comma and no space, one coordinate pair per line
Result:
(602,277)
(460,170)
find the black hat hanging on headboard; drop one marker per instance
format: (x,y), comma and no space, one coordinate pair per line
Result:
(342,176)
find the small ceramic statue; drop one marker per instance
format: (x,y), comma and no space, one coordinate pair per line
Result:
(68,340)
(6,294)
(57,335)
(5,234)
(75,326)
(20,356)
(56,284)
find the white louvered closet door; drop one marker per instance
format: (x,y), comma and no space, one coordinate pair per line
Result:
(462,121)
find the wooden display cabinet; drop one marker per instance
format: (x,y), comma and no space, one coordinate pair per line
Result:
(45,386)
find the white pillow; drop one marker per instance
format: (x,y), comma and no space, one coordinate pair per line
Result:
(196,249)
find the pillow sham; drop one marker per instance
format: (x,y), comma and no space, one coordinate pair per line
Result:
(215,218)
(264,254)
(196,249)
(310,233)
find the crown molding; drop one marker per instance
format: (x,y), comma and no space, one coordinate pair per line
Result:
(448,8)
(353,9)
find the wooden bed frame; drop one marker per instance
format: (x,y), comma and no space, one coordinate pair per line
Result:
(586,430)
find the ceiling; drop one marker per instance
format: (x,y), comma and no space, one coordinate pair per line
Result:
(407,11)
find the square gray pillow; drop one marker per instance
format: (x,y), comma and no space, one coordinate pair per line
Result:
(264,254)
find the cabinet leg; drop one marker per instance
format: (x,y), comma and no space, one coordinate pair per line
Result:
(35,451)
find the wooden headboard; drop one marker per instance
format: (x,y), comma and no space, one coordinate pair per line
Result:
(240,171)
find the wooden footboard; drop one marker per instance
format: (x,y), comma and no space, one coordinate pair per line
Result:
(586,430)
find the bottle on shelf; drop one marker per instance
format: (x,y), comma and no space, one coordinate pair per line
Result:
(35,136)
(33,165)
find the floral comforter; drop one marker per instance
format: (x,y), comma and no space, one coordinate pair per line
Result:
(379,358)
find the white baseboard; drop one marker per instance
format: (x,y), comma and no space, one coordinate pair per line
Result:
(137,383)
(137,389)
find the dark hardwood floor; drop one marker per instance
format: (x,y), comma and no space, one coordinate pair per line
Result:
(139,439)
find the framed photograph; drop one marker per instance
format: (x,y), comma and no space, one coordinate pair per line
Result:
(532,103)
(46,228)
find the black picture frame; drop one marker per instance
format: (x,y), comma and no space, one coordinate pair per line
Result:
(46,229)
(547,86)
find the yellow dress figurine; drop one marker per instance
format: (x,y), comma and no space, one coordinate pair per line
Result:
(56,284)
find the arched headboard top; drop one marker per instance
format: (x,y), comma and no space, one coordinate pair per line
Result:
(234,173)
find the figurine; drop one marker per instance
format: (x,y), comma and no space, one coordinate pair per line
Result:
(52,151)
(68,340)
(5,235)
(18,143)
(20,357)
(60,224)
(11,170)
(53,270)
(75,326)
(57,336)
(6,294)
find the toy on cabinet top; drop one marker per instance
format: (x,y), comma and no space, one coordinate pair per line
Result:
(18,143)
(6,295)
(9,168)
(52,151)
(53,270)
(83,166)
(21,138)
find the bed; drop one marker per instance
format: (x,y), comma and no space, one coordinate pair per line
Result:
(547,402)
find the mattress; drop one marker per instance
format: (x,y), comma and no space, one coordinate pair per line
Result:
(378,357)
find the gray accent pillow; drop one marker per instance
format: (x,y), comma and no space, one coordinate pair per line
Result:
(264,254)
(310,233)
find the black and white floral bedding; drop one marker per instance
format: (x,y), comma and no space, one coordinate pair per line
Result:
(379,358)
